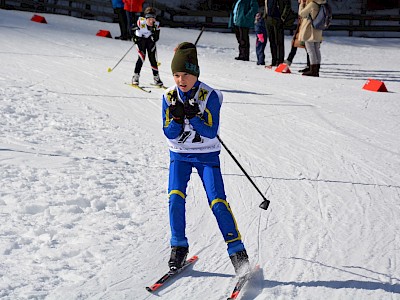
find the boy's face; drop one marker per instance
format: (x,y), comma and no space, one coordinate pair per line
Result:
(184,81)
(150,21)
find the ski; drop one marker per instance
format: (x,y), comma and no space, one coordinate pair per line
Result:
(170,274)
(138,87)
(241,283)
(159,86)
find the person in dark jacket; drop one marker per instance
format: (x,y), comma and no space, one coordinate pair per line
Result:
(241,20)
(276,11)
(118,6)
(261,38)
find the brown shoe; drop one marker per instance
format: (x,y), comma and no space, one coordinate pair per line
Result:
(313,71)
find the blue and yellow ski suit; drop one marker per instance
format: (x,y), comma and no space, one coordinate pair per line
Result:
(195,144)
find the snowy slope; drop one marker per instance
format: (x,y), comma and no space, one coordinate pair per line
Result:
(84,167)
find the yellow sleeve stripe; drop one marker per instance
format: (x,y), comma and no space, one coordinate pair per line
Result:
(209,120)
(167,118)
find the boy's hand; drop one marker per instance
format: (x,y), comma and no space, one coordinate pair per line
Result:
(177,111)
(191,108)
(135,38)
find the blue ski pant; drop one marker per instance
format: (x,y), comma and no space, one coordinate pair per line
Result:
(260,51)
(210,174)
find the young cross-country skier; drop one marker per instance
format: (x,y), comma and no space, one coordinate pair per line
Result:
(145,34)
(191,112)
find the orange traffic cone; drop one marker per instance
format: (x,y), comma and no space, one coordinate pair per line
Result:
(375,86)
(38,19)
(104,33)
(283,68)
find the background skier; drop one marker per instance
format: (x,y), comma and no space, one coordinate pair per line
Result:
(146,33)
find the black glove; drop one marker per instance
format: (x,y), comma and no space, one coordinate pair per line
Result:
(177,111)
(135,38)
(191,108)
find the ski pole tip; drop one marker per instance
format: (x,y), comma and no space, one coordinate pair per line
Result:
(109,70)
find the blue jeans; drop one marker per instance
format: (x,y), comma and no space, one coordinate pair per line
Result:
(210,174)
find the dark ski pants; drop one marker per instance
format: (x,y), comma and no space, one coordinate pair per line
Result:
(122,21)
(242,36)
(131,18)
(146,46)
(292,54)
(210,174)
(276,40)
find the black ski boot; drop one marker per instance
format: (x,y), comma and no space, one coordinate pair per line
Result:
(178,257)
(157,80)
(240,261)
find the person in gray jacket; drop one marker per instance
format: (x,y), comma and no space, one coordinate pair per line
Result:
(241,20)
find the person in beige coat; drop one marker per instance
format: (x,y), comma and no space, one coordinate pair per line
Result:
(311,37)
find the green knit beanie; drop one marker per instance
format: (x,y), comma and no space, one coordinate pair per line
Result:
(185,59)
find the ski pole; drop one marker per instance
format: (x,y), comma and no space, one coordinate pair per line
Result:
(158,63)
(111,69)
(198,38)
(264,205)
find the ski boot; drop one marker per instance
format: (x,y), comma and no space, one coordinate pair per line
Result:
(135,79)
(178,257)
(157,81)
(240,261)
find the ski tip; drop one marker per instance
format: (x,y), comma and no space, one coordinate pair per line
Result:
(234,296)
(193,258)
(153,287)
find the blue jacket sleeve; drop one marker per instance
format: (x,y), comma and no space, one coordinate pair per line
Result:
(171,128)
(208,124)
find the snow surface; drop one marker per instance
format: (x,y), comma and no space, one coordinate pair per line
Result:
(84,167)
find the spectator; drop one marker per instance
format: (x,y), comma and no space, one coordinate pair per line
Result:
(242,19)
(261,38)
(296,43)
(133,10)
(312,37)
(118,7)
(276,11)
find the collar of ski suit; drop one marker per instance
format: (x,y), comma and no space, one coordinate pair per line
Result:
(190,94)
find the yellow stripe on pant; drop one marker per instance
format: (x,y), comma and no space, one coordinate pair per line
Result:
(218,200)
(177,192)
